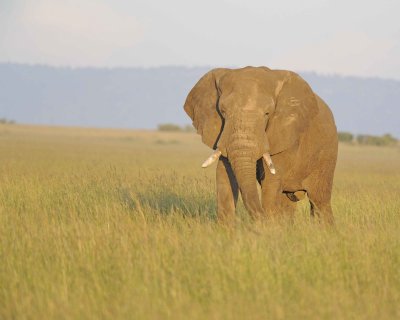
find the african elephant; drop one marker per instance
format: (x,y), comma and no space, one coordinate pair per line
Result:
(267,126)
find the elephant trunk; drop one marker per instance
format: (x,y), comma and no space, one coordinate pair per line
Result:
(242,156)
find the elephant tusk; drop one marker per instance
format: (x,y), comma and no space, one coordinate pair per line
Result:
(211,159)
(270,164)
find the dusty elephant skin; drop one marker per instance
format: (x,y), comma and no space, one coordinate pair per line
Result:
(266,126)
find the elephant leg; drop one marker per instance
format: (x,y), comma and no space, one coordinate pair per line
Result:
(227,191)
(319,193)
(323,211)
(271,194)
(275,202)
(288,206)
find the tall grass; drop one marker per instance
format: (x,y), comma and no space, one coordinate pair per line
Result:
(121,224)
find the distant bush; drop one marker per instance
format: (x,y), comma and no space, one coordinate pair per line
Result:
(174,127)
(366,139)
(385,140)
(345,136)
(169,127)
(6,121)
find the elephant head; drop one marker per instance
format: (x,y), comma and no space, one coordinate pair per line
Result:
(247,114)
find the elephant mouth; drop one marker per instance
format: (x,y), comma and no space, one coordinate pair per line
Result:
(217,153)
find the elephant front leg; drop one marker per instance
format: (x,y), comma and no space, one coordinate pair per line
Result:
(272,198)
(276,203)
(271,193)
(227,191)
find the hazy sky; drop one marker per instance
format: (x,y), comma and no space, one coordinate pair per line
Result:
(352,37)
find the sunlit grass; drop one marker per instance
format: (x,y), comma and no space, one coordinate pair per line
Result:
(121,224)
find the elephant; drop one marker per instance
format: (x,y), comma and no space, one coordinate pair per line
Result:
(266,126)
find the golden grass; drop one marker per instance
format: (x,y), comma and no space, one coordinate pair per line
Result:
(121,224)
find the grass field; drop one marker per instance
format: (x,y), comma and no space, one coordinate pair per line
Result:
(113,224)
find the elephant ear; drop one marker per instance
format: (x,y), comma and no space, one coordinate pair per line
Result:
(201,106)
(296,105)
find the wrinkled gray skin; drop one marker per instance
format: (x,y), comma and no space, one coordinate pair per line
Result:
(245,113)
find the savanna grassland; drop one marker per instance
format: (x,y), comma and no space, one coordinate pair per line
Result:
(114,224)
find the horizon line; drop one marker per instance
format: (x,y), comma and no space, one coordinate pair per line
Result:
(98,67)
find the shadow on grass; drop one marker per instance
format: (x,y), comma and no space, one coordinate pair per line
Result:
(166,201)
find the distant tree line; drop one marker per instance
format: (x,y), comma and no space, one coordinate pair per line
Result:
(347,137)
(174,127)
(6,121)
(365,139)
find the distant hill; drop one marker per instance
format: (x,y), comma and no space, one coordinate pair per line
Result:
(144,98)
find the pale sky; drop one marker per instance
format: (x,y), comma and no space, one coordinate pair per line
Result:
(349,37)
